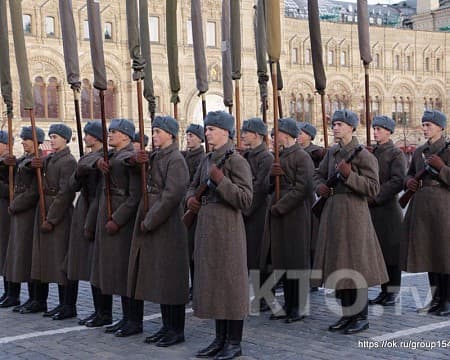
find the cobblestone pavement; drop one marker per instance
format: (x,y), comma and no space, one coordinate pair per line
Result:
(395,333)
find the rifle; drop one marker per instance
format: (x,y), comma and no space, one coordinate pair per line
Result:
(189,216)
(428,169)
(332,182)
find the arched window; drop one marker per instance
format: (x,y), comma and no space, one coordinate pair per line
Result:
(45,99)
(52,99)
(39,97)
(301,107)
(90,101)
(402,106)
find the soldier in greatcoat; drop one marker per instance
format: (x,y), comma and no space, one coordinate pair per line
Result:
(113,235)
(51,237)
(22,211)
(288,223)
(79,257)
(386,213)
(427,245)
(4,217)
(159,259)
(348,253)
(221,279)
(137,142)
(260,160)
(195,136)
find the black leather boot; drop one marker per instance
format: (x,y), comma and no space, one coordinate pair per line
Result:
(175,334)
(232,348)
(69,309)
(58,308)
(135,317)
(30,298)
(125,301)
(379,299)
(217,345)
(444,308)
(433,305)
(347,299)
(155,337)
(95,294)
(390,299)
(360,321)
(103,312)
(12,296)
(39,302)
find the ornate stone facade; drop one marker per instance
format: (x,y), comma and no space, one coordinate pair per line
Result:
(409,72)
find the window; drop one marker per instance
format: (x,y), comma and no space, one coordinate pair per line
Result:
(401,111)
(26,24)
(50,26)
(379,21)
(427,64)
(438,65)
(157,104)
(46,99)
(108,31)
(189,39)
(408,63)
(211,34)
(330,57)
(301,107)
(86,30)
(308,56)
(294,56)
(153,23)
(397,62)
(377,62)
(90,101)
(343,58)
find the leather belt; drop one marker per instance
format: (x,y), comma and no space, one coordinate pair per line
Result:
(209,200)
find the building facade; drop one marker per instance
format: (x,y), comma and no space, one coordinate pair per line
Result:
(409,71)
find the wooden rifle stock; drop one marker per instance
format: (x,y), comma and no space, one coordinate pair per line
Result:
(318,205)
(408,194)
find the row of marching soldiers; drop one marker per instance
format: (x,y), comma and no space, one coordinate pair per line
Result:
(239,226)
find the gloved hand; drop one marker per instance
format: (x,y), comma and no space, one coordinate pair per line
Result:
(370,148)
(274,210)
(276,170)
(412,184)
(436,162)
(111,227)
(46,227)
(216,174)
(103,166)
(37,163)
(193,204)
(141,157)
(344,168)
(323,191)
(10,160)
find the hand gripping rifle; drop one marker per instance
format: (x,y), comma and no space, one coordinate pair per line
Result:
(190,216)
(332,182)
(428,169)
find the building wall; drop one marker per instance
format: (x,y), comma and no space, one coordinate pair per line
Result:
(390,74)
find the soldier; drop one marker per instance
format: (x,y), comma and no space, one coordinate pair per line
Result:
(159,258)
(79,257)
(386,213)
(427,218)
(137,141)
(195,136)
(346,237)
(4,217)
(260,160)
(51,237)
(305,139)
(22,211)
(113,235)
(288,230)
(221,279)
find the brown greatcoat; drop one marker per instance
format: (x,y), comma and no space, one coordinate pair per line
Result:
(386,213)
(260,161)
(193,159)
(50,249)
(159,260)
(4,216)
(427,220)
(111,252)
(79,256)
(287,234)
(221,279)
(347,240)
(23,209)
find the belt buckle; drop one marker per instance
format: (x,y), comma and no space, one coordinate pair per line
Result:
(204,200)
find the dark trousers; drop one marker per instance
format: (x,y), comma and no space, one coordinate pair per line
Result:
(354,302)
(13,290)
(173,317)
(291,299)
(71,293)
(395,278)
(229,331)
(135,311)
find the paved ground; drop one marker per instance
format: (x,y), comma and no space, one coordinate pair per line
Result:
(395,333)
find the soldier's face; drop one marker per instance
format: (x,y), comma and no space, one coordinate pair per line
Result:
(28,146)
(303,138)
(381,135)
(216,137)
(192,141)
(116,138)
(341,131)
(89,140)
(136,146)
(282,138)
(161,138)
(431,131)
(57,142)
(248,138)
